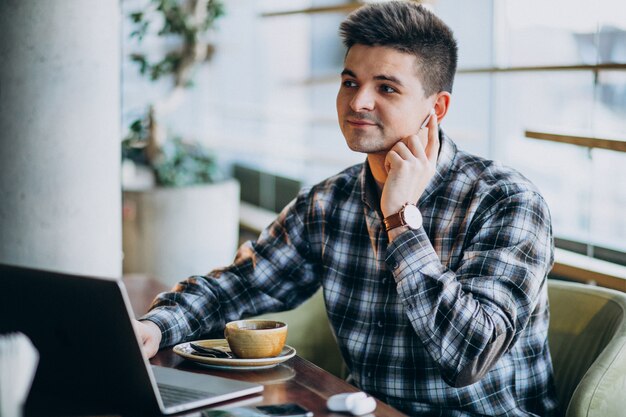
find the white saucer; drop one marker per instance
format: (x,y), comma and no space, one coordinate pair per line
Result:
(187,352)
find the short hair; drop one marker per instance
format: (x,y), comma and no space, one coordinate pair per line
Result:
(411,28)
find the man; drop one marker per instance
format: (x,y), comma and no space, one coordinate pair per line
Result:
(433,262)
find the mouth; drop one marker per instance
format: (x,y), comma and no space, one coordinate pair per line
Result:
(360,123)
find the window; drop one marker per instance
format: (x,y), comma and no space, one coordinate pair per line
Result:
(554,67)
(267,100)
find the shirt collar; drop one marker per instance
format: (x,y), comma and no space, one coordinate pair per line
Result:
(445,163)
(369,189)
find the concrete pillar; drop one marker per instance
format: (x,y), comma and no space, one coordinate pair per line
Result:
(60,193)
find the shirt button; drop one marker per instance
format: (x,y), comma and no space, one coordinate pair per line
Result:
(384,280)
(380,323)
(395,265)
(369,374)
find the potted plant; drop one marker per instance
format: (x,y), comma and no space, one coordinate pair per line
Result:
(184,219)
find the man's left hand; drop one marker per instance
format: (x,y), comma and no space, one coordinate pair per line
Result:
(410,164)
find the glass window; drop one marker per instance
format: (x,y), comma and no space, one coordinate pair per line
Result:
(473,30)
(612,31)
(267,97)
(609,116)
(608,200)
(548,102)
(558,102)
(468,121)
(539,33)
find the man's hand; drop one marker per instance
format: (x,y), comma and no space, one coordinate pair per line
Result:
(410,166)
(150,335)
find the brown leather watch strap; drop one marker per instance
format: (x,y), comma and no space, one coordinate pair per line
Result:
(393,221)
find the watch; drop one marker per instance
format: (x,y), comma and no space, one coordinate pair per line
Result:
(409,215)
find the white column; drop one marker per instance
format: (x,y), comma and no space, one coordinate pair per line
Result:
(60,191)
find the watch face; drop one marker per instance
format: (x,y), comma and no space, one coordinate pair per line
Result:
(412,216)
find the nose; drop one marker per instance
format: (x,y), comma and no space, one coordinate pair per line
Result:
(363,100)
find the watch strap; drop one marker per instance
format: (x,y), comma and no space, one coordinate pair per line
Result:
(393,221)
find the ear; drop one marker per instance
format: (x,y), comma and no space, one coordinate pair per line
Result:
(442,104)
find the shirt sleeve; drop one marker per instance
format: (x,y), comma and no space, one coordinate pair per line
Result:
(468,318)
(274,273)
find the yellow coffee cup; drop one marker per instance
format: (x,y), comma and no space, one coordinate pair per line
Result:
(254,339)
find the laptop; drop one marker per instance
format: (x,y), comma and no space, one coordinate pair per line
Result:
(90,359)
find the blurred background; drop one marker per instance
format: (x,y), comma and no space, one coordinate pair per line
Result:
(541,86)
(266,101)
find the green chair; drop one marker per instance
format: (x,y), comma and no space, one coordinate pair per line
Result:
(588,345)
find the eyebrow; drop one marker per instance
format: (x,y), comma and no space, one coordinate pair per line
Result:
(381,77)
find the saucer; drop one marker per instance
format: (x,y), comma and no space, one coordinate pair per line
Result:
(187,352)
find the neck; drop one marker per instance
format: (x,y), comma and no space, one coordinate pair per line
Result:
(377,166)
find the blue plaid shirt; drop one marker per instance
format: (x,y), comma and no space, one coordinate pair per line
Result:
(450,319)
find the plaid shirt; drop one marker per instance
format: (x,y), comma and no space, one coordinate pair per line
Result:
(450,319)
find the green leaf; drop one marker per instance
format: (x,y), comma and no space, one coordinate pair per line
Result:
(183,163)
(179,163)
(141,60)
(136,126)
(136,17)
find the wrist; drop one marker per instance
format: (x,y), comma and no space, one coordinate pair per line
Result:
(394,233)
(408,216)
(390,211)
(153,329)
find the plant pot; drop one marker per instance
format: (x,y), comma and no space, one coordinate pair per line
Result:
(173,233)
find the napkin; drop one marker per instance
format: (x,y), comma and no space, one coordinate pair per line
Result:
(18,363)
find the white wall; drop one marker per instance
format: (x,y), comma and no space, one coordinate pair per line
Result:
(60,135)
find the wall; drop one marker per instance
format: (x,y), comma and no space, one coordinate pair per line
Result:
(60,135)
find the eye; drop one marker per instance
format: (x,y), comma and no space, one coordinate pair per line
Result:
(388,89)
(348,83)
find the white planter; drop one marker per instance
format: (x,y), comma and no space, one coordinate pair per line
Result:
(172,233)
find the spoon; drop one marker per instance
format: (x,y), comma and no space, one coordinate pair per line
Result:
(208,351)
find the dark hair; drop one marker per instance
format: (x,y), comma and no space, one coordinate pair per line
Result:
(407,27)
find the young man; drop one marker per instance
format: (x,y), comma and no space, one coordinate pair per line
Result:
(433,262)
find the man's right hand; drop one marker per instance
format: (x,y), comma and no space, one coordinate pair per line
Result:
(150,336)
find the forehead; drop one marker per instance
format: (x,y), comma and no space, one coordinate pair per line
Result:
(371,61)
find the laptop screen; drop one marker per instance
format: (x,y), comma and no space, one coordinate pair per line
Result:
(90,358)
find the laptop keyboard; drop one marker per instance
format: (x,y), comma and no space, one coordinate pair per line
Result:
(173,395)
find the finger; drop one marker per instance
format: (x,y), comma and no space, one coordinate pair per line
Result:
(432,149)
(403,150)
(416,146)
(424,128)
(392,159)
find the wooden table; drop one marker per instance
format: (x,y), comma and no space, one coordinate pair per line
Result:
(296,380)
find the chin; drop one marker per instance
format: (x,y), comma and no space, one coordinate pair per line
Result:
(364,147)
(365,142)
(353,146)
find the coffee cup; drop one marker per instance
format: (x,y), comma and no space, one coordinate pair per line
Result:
(254,339)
